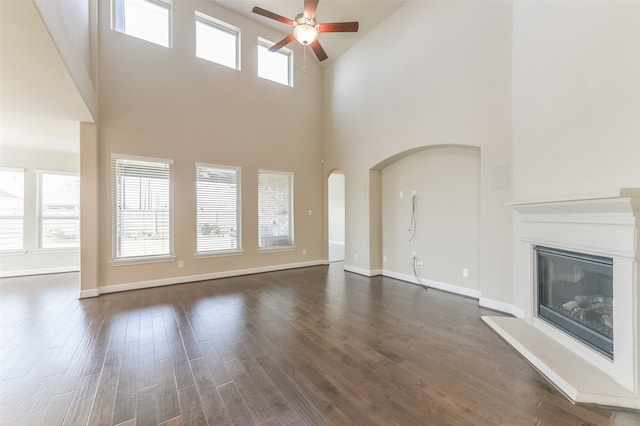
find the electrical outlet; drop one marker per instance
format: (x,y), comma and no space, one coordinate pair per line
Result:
(465,273)
(310,212)
(180,263)
(384,258)
(401,195)
(355,256)
(304,252)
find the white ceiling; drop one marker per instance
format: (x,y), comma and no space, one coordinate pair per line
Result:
(41,106)
(368,13)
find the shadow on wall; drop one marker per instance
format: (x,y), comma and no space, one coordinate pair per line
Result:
(429,215)
(336,216)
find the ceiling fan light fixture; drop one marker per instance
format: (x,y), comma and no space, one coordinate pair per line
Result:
(305,34)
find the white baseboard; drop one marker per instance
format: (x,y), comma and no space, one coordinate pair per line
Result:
(501,307)
(84,294)
(360,271)
(39,271)
(201,277)
(463,291)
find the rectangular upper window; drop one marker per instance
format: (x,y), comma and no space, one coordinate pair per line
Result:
(141,207)
(218,209)
(149,20)
(275,66)
(275,209)
(217,41)
(11,209)
(58,210)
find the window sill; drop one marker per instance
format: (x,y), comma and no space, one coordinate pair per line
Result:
(13,252)
(225,253)
(142,260)
(276,249)
(57,250)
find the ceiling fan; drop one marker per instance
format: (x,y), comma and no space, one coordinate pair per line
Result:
(306,29)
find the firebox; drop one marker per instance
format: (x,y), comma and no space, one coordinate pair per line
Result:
(575,294)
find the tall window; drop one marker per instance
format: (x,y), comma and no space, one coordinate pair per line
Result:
(218,216)
(217,41)
(142,207)
(149,20)
(11,209)
(275,209)
(58,210)
(275,66)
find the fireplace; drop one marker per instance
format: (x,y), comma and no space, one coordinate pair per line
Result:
(580,324)
(575,294)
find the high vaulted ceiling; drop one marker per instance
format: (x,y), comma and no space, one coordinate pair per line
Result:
(368,13)
(41,106)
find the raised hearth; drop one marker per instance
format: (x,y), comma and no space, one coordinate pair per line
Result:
(603,226)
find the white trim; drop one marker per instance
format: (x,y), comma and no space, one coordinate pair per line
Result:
(13,252)
(115,156)
(221,253)
(275,249)
(219,166)
(360,271)
(56,172)
(496,305)
(83,294)
(128,261)
(40,271)
(451,288)
(203,277)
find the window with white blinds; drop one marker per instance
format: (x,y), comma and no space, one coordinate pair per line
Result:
(217,41)
(11,209)
(58,210)
(218,209)
(142,207)
(275,209)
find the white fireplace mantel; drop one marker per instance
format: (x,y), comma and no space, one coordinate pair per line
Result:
(603,225)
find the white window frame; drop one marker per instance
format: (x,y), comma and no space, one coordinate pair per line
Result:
(266,44)
(21,249)
(118,20)
(41,217)
(238,230)
(216,24)
(127,260)
(291,240)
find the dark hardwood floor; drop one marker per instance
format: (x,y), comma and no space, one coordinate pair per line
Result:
(312,346)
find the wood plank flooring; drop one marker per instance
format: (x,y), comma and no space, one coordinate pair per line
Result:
(314,346)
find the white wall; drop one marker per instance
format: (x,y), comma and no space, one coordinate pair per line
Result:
(434,73)
(576,106)
(35,260)
(576,98)
(446,239)
(166,103)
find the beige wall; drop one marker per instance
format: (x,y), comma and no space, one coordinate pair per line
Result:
(434,73)
(446,239)
(70,24)
(576,98)
(34,260)
(166,103)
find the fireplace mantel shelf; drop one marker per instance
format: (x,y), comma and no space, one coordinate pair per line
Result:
(571,374)
(617,193)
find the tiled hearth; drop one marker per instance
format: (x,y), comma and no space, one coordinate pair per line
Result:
(603,225)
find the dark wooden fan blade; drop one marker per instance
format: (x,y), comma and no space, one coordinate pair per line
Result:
(338,27)
(310,7)
(318,50)
(282,43)
(275,16)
